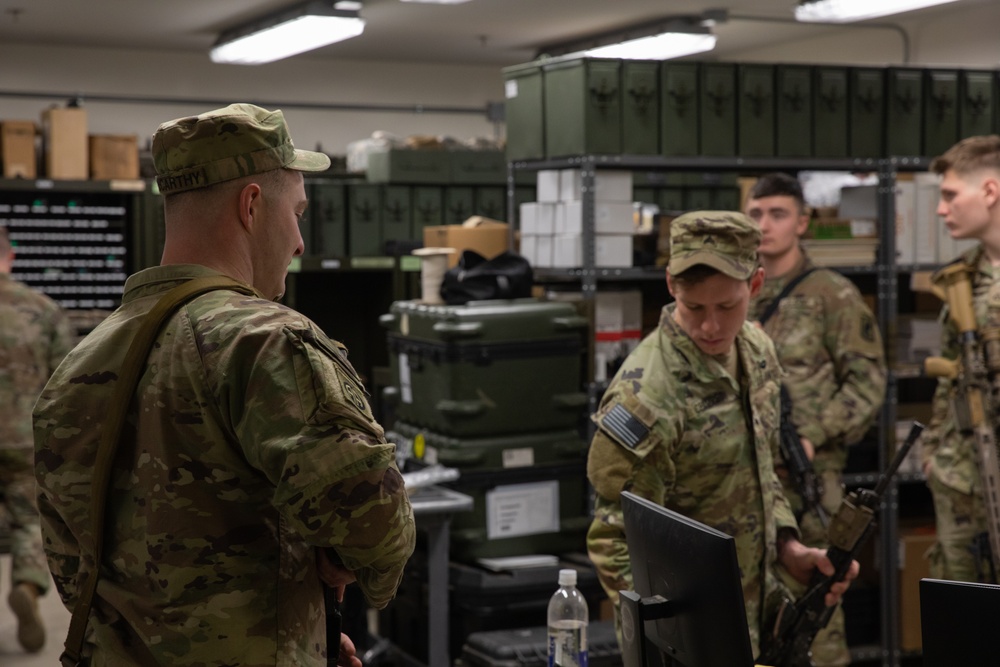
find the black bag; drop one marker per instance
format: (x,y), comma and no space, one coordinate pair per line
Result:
(475,278)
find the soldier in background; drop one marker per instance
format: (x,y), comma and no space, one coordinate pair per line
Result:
(690,421)
(34,337)
(830,349)
(970,205)
(251,469)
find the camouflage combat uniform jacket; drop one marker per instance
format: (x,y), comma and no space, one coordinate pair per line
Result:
(830,349)
(953,455)
(701,444)
(249,445)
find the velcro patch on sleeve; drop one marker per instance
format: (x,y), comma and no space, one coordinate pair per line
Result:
(624,426)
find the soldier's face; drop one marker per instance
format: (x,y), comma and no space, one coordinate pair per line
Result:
(284,205)
(967,202)
(781,222)
(712,311)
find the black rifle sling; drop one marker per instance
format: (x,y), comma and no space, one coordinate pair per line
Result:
(792,284)
(128,380)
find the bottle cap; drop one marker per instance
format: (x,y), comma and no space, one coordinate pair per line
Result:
(567,577)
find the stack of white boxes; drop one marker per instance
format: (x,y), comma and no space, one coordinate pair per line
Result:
(552,227)
(617,330)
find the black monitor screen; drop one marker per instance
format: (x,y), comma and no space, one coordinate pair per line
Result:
(958,623)
(694,567)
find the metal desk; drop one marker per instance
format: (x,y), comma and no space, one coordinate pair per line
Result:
(432,510)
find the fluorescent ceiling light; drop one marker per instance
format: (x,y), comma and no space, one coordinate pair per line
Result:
(845,11)
(664,46)
(438,2)
(304,28)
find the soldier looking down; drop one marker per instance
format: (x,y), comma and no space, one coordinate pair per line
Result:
(250,469)
(690,421)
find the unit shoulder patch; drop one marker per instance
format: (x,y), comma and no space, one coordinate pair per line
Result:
(623,426)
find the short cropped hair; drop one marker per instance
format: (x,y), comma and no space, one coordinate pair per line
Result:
(778,184)
(969,155)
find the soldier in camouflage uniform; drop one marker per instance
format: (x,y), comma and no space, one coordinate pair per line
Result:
(251,469)
(831,351)
(690,420)
(970,205)
(34,337)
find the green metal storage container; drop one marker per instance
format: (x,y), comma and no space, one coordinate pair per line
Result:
(941,107)
(400,165)
(524,111)
(428,208)
(458,203)
(364,220)
(490,201)
(793,111)
(830,112)
(641,107)
(755,132)
(488,367)
(725,199)
(904,126)
(583,107)
(866,120)
(698,199)
(671,199)
(397,213)
(679,109)
(717,110)
(328,212)
(644,195)
(976,103)
(485,167)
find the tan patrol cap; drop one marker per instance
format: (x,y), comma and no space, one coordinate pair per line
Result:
(724,240)
(221,145)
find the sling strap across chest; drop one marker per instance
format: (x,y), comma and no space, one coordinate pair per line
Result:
(772,308)
(121,398)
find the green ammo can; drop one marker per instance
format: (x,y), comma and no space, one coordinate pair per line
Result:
(679,109)
(428,208)
(976,103)
(755,132)
(941,107)
(583,107)
(328,209)
(830,112)
(364,220)
(904,125)
(641,107)
(525,112)
(717,109)
(397,213)
(486,367)
(793,110)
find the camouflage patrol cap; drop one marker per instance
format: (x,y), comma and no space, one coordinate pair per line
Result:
(221,145)
(723,240)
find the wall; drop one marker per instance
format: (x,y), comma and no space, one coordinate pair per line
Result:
(165,75)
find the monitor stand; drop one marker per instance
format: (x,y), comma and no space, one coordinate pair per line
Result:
(636,610)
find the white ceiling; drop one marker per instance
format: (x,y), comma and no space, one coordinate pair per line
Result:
(479,32)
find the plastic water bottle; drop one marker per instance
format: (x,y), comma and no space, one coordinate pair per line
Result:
(568,617)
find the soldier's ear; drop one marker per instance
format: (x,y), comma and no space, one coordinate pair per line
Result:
(991,190)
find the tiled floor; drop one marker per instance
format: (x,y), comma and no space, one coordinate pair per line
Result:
(56,623)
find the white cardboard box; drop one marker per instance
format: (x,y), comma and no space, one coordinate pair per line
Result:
(529,248)
(538,217)
(610,251)
(547,185)
(610,185)
(609,218)
(927,235)
(544,252)
(906,239)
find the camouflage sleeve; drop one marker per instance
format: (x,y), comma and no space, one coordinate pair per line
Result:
(63,339)
(307,425)
(626,454)
(855,345)
(62,551)
(941,402)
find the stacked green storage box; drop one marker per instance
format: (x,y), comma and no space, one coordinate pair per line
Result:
(583,107)
(830,112)
(977,103)
(941,108)
(525,112)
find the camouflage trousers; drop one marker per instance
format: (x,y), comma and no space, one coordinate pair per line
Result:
(17,496)
(961,520)
(829,649)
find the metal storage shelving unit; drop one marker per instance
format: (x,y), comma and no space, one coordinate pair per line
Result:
(589,277)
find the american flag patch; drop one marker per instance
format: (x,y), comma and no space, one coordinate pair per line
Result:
(624,426)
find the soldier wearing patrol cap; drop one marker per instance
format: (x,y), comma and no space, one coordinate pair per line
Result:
(250,470)
(690,420)
(830,349)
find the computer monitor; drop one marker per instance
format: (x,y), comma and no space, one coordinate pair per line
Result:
(958,622)
(694,571)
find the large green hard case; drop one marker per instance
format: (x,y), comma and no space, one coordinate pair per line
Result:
(793,110)
(328,211)
(679,109)
(641,107)
(511,478)
(583,107)
(867,111)
(830,112)
(524,109)
(755,133)
(976,104)
(397,213)
(486,367)
(717,104)
(904,111)
(364,220)
(941,107)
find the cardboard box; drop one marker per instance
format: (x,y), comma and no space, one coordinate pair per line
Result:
(114,156)
(609,218)
(609,185)
(64,136)
(913,566)
(487,237)
(17,149)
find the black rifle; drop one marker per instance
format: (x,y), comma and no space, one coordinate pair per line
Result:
(799,466)
(334,621)
(788,645)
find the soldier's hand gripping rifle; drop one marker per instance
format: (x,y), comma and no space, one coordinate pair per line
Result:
(798,464)
(972,403)
(788,645)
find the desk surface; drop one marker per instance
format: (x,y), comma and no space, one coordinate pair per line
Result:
(439,500)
